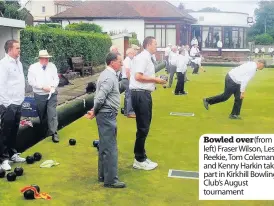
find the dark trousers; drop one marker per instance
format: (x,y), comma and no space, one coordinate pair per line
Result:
(195,68)
(172,70)
(10,120)
(142,106)
(180,87)
(230,88)
(220,51)
(108,155)
(47,113)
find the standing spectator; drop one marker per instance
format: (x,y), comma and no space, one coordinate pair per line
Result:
(219,46)
(126,69)
(142,83)
(106,106)
(43,78)
(12,94)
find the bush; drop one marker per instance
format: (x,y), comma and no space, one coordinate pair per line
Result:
(63,44)
(84,27)
(134,41)
(48,26)
(263,39)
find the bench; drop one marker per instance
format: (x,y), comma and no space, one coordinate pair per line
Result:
(78,64)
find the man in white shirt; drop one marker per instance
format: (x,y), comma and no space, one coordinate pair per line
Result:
(43,78)
(181,65)
(12,94)
(142,83)
(172,64)
(256,51)
(219,46)
(127,65)
(194,41)
(167,52)
(235,83)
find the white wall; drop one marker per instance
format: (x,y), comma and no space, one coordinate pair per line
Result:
(7,33)
(132,25)
(35,8)
(220,18)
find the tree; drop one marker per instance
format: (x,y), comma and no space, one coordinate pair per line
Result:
(10,9)
(264,18)
(181,6)
(210,9)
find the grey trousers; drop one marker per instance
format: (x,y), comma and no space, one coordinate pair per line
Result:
(127,101)
(47,113)
(108,155)
(172,70)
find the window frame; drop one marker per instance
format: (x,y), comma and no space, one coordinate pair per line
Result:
(163,28)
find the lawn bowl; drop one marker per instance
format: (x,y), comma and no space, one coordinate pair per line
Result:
(18,171)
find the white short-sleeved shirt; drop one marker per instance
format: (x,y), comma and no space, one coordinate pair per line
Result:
(142,63)
(243,74)
(127,63)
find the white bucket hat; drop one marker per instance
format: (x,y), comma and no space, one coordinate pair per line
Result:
(44,54)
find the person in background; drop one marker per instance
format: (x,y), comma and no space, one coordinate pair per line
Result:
(12,94)
(114,49)
(219,46)
(127,65)
(105,109)
(256,51)
(263,51)
(142,83)
(235,83)
(167,52)
(181,65)
(172,64)
(43,77)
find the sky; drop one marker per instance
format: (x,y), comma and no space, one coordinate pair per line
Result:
(244,6)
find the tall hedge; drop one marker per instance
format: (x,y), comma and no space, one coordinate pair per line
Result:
(62,44)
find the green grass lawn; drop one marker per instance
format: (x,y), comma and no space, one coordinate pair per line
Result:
(173,142)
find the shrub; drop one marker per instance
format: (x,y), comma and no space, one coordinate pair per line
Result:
(263,39)
(63,44)
(84,27)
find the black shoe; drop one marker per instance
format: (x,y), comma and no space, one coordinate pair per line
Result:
(233,116)
(116,185)
(205,103)
(101,179)
(55,138)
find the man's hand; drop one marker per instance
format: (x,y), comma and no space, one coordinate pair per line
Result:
(159,81)
(242,95)
(90,114)
(46,89)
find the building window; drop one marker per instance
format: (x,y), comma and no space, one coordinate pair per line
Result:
(164,34)
(43,9)
(232,37)
(211,36)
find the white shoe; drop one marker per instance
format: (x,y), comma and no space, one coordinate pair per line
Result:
(154,163)
(5,165)
(17,158)
(146,165)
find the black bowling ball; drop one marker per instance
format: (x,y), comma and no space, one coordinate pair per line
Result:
(95,143)
(72,142)
(37,187)
(18,171)
(2,173)
(30,159)
(29,195)
(11,176)
(37,156)
(122,111)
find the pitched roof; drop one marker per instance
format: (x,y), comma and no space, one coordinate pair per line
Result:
(67,3)
(124,9)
